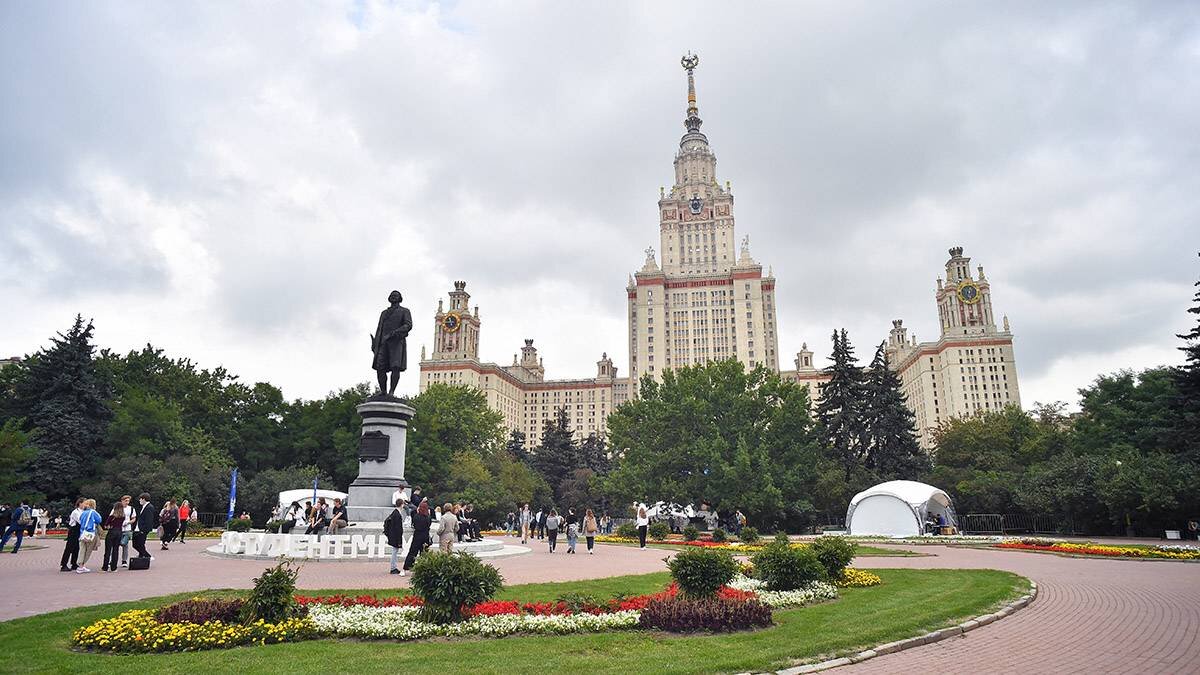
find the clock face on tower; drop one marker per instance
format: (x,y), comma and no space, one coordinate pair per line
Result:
(695,205)
(968,292)
(451,322)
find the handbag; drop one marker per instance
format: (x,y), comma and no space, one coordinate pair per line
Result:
(87,536)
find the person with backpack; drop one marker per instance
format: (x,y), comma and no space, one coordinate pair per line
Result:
(590,529)
(21,519)
(572,530)
(70,554)
(393,529)
(552,523)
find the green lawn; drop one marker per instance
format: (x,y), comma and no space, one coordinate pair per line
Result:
(909,603)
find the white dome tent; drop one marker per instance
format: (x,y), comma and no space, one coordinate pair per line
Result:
(897,508)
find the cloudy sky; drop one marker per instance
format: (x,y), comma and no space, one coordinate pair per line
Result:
(243,183)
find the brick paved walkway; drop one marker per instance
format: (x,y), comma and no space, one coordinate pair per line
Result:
(1090,616)
(33,584)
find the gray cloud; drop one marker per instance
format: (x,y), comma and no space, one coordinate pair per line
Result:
(245,185)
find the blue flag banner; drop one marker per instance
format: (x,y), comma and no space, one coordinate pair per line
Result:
(232,493)
(314,490)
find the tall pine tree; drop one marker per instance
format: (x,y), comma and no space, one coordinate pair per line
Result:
(840,410)
(63,403)
(557,456)
(892,451)
(1187,380)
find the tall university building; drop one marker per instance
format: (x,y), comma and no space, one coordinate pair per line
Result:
(709,300)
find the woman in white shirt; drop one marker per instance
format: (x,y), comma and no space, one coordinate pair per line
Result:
(643,524)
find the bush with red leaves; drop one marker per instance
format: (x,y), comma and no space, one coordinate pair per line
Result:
(200,610)
(683,615)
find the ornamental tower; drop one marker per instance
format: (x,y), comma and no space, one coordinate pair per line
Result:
(696,218)
(456,331)
(708,301)
(964,302)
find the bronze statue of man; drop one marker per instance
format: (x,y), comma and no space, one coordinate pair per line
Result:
(389,343)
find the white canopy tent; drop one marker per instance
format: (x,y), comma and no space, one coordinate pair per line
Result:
(897,508)
(306,495)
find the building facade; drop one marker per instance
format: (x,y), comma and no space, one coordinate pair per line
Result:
(970,368)
(520,392)
(709,300)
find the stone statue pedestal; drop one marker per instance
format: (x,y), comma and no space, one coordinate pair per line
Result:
(380,458)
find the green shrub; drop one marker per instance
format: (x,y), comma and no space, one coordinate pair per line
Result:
(786,568)
(627,531)
(687,615)
(238,525)
(748,535)
(449,581)
(700,572)
(658,531)
(835,553)
(273,526)
(273,597)
(579,602)
(718,535)
(781,538)
(690,533)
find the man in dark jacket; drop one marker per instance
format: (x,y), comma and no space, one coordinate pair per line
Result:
(393,529)
(147,520)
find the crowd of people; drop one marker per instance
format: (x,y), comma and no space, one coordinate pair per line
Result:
(116,527)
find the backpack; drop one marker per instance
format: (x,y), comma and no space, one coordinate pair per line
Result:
(24,520)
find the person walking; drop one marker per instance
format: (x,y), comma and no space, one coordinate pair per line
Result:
(449,526)
(590,529)
(185,515)
(21,519)
(113,525)
(421,521)
(70,554)
(89,534)
(543,514)
(572,530)
(393,529)
(144,525)
(526,517)
(168,518)
(552,523)
(643,524)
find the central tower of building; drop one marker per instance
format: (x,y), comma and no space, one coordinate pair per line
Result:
(709,301)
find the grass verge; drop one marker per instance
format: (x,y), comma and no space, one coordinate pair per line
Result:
(909,602)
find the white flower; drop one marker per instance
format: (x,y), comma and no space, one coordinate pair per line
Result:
(400,623)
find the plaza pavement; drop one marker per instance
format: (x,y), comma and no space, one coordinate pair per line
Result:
(1090,616)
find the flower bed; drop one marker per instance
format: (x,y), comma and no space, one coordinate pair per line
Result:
(138,631)
(855,578)
(395,618)
(1168,552)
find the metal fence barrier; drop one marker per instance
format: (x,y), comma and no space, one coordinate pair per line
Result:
(1014,523)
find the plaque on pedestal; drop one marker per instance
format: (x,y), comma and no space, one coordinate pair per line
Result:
(380,458)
